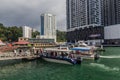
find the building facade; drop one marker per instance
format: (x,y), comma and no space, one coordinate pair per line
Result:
(83,12)
(85,16)
(87,12)
(110,12)
(94,12)
(48,26)
(92,35)
(27,32)
(112,34)
(42,43)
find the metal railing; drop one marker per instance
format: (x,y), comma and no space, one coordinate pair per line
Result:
(17,55)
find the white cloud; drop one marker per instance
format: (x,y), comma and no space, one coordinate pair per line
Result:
(27,12)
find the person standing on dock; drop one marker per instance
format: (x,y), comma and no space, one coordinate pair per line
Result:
(37,53)
(15,53)
(20,52)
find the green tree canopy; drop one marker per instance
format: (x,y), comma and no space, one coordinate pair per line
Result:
(34,34)
(61,36)
(10,34)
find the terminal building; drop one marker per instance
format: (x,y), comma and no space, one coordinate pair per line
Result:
(90,34)
(42,43)
(112,34)
(37,42)
(94,21)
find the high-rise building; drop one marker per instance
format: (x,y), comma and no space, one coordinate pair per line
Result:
(87,12)
(82,18)
(117,11)
(48,26)
(27,32)
(110,12)
(94,10)
(89,17)
(83,12)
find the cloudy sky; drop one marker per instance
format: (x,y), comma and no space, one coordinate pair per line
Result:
(27,12)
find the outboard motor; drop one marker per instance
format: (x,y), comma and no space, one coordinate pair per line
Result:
(96,57)
(79,60)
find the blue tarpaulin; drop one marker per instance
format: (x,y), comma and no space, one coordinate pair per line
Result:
(81,48)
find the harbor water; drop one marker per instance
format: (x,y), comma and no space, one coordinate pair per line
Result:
(106,68)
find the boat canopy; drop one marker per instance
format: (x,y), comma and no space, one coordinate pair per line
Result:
(57,50)
(81,48)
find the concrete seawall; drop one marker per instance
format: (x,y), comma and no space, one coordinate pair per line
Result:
(10,58)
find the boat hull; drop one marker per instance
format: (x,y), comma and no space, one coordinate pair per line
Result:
(57,60)
(92,56)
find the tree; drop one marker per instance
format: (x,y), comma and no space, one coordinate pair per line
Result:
(34,34)
(10,34)
(61,36)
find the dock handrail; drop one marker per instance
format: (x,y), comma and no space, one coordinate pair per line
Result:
(11,55)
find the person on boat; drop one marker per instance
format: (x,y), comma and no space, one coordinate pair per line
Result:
(91,50)
(47,54)
(66,55)
(70,55)
(37,53)
(55,54)
(41,50)
(62,55)
(51,54)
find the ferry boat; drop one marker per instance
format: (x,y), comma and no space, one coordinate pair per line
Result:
(60,55)
(85,53)
(84,45)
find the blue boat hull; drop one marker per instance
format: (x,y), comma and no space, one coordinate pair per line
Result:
(81,48)
(61,60)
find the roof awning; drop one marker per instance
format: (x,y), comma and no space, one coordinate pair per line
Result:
(1,43)
(21,43)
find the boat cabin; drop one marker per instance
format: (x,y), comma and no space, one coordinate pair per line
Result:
(56,52)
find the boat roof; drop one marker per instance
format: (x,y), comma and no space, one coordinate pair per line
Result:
(57,50)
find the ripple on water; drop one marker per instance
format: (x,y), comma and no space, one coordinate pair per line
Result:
(111,56)
(104,67)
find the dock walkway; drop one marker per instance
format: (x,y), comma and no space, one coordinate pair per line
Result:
(12,56)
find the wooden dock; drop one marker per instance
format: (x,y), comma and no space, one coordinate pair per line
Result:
(11,56)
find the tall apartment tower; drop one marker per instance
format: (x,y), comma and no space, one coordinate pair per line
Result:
(48,26)
(89,17)
(110,12)
(117,11)
(83,12)
(27,32)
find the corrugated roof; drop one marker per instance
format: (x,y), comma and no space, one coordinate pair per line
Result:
(21,42)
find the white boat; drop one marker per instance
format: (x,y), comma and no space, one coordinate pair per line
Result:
(85,53)
(84,45)
(59,55)
(56,60)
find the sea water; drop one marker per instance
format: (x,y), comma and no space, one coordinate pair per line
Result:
(106,68)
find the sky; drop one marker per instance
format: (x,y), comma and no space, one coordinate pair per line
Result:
(27,12)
